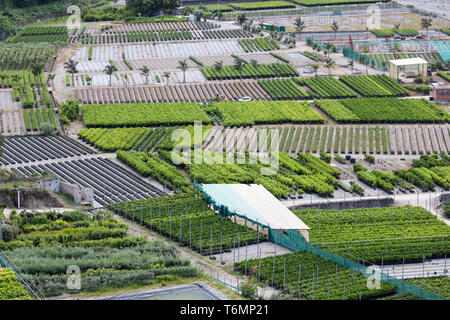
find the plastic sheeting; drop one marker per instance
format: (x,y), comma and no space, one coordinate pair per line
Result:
(256,203)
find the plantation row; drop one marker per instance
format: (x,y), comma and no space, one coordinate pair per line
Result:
(109,180)
(182,24)
(259,112)
(375,86)
(198,92)
(140,139)
(48,243)
(114,115)
(34,118)
(257,45)
(305,174)
(188,221)
(373,234)
(10,287)
(250,71)
(378,110)
(22,56)
(156,36)
(348,139)
(307,276)
(29,89)
(39,148)
(262,5)
(381,33)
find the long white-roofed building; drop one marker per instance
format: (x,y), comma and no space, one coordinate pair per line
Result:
(254,204)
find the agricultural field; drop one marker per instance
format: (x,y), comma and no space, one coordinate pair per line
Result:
(307,276)
(193,92)
(188,221)
(374,86)
(261,5)
(10,287)
(391,233)
(384,110)
(97,244)
(122,115)
(254,112)
(348,139)
(332,2)
(250,71)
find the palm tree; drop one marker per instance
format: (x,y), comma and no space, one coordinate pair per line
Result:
(218,67)
(335,28)
(109,70)
(329,63)
(255,65)
(426,23)
(183,66)
(328,47)
(315,67)
(239,66)
(350,63)
(145,71)
(167,76)
(299,26)
(241,19)
(71,67)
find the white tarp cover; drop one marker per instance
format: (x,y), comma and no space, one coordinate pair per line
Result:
(256,203)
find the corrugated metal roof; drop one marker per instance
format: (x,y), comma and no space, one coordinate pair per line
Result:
(256,203)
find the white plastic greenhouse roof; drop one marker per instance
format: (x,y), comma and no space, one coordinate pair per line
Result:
(256,203)
(408,62)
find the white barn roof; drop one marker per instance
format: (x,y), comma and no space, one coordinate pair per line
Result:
(256,203)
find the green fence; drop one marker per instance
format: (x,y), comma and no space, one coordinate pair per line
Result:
(294,241)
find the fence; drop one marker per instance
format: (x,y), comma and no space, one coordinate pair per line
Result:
(295,241)
(27,282)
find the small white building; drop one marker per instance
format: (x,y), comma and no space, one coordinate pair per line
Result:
(410,67)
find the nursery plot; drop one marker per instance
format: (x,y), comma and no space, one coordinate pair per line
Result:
(162,36)
(307,276)
(296,58)
(110,181)
(49,243)
(12,123)
(372,234)
(40,148)
(353,139)
(230,90)
(261,58)
(159,50)
(190,222)
(135,78)
(7,102)
(182,25)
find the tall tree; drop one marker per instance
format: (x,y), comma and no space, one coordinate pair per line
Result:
(241,18)
(150,8)
(335,28)
(183,66)
(426,23)
(329,63)
(167,76)
(299,26)
(145,71)
(109,70)
(71,67)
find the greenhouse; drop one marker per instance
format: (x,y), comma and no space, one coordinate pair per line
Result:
(256,204)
